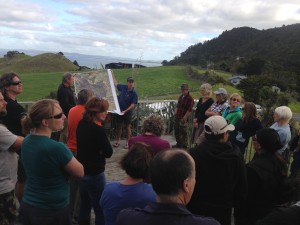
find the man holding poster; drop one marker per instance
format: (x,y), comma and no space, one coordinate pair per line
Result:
(127,100)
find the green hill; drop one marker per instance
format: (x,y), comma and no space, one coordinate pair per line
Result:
(272,50)
(48,62)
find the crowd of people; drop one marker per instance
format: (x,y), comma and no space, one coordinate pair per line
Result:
(53,159)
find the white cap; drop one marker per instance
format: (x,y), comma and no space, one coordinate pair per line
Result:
(217,125)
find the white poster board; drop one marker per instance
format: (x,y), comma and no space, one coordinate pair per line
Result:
(101,83)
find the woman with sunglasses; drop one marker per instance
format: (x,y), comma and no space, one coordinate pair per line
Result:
(233,112)
(93,147)
(47,164)
(11,86)
(265,174)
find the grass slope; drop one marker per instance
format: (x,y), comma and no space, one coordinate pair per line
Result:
(153,83)
(47,62)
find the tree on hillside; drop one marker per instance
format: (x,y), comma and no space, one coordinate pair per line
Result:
(76,63)
(252,85)
(11,54)
(164,63)
(254,66)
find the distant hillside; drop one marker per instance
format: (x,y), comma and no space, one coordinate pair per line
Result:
(276,49)
(47,62)
(91,61)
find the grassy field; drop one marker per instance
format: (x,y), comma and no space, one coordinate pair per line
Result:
(152,83)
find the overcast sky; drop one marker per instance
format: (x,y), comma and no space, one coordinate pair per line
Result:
(140,29)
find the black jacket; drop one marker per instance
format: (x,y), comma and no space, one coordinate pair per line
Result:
(220,176)
(265,175)
(161,213)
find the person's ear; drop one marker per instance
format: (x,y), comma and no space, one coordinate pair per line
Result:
(186,185)
(45,122)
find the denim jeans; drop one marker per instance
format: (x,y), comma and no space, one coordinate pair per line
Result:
(90,189)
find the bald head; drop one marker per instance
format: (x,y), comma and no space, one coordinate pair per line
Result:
(169,169)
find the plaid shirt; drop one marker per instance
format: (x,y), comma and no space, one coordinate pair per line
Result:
(185,103)
(215,107)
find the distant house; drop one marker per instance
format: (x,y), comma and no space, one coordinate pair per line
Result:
(121,65)
(235,80)
(138,66)
(118,65)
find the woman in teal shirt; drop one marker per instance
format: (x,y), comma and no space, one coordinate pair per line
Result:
(47,164)
(233,112)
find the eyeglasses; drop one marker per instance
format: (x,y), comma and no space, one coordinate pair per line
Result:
(235,100)
(16,83)
(58,116)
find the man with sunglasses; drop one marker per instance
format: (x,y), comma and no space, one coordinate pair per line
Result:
(220,173)
(11,86)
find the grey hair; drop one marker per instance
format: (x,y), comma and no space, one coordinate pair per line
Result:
(154,124)
(66,76)
(206,88)
(284,113)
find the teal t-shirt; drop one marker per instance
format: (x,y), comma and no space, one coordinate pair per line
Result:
(44,160)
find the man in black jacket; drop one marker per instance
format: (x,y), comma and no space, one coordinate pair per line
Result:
(220,173)
(66,99)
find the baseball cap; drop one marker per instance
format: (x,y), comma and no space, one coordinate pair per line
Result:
(130,79)
(217,125)
(220,91)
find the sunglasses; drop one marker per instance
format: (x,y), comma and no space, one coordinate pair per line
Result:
(58,116)
(235,100)
(16,83)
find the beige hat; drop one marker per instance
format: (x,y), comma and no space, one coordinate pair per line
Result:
(217,125)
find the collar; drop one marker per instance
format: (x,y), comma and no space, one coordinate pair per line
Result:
(166,208)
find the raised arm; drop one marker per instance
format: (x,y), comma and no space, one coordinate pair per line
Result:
(114,78)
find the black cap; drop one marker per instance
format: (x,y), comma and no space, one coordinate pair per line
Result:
(130,79)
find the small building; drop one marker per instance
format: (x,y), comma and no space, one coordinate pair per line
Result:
(118,65)
(235,80)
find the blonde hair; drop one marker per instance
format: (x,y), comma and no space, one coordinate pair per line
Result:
(206,89)
(236,95)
